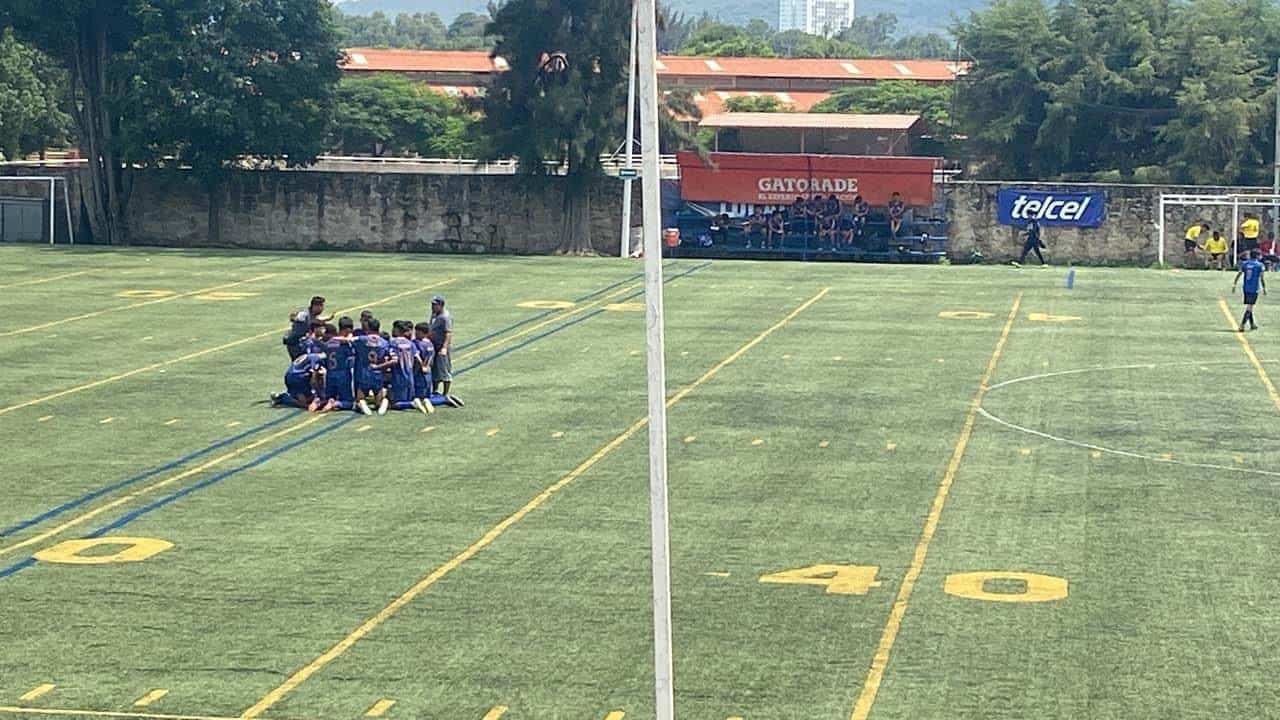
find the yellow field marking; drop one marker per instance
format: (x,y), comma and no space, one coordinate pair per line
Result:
(173,421)
(492,431)
(838,358)
(557,434)
(428,428)
(71,552)
(145,294)
(545,304)
(1024,452)
(380,708)
(1239,460)
(684,353)
(46,280)
(201,353)
(106,421)
(149,337)
(302,675)
(227,296)
(837,579)
(735,717)
(1166,456)
(61,712)
(496,712)
(364,428)
(875,674)
(130,306)
(150,697)
(718,574)
(1036,588)
(46,418)
(758,442)
(567,313)
(234,423)
(965,315)
(824,444)
(1096,454)
(891,446)
(625,307)
(87,516)
(1046,317)
(690,439)
(786,357)
(615,715)
(38,691)
(634,353)
(1253,357)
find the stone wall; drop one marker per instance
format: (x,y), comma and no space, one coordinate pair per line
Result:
(1129,236)
(379,212)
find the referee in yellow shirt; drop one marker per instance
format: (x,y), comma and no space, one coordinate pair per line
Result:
(1250,231)
(1191,241)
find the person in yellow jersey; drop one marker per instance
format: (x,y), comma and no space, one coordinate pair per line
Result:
(1191,242)
(1250,230)
(1217,248)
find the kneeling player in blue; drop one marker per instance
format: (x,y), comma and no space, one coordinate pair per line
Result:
(302,381)
(422,385)
(371,360)
(1252,270)
(405,354)
(339,390)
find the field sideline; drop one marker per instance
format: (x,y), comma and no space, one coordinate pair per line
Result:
(897,492)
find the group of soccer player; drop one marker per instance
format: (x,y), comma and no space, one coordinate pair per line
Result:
(342,367)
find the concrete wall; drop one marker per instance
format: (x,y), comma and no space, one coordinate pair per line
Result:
(369,212)
(1129,235)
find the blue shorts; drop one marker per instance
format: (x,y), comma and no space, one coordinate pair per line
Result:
(338,387)
(370,382)
(297,384)
(422,385)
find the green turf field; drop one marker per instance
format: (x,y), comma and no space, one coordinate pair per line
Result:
(896,492)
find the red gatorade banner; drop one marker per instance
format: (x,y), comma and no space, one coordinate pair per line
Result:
(760,179)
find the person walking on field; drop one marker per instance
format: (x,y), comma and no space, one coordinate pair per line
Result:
(1033,244)
(441,334)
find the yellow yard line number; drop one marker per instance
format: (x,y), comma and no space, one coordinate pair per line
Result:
(1020,587)
(837,579)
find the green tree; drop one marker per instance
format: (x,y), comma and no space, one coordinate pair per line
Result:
(872,32)
(759,103)
(797,43)
(32,93)
(562,100)
(387,114)
(932,102)
(678,116)
(720,40)
(924,46)
(469,31)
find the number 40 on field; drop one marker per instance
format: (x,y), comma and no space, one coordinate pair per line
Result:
(989,586)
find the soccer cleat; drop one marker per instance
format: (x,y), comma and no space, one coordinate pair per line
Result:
(426,407)
(383,406)
(454,402)
(364,407)
(275,400)
(1015,263)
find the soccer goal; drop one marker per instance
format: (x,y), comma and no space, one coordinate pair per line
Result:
(1222,211)
(29,211)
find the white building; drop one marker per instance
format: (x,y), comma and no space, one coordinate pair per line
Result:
(816,17)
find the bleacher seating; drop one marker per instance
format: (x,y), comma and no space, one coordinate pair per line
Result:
(920,240)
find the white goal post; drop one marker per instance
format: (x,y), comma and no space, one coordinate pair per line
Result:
(51,184)
(1221,202)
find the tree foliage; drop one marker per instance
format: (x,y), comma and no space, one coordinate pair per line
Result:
(759,103)
(1149,90)
(933,102)
(718,40)
(564,98)
(393,115)
(32,100)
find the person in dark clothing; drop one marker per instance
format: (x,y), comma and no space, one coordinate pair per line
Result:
(1033,244)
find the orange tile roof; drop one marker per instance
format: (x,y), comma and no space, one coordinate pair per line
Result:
(796,121)
(711,102)
(423,61)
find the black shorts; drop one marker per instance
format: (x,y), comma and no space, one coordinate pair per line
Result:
(1246,244)
(1217,256)
(1250,298)
(1189,245)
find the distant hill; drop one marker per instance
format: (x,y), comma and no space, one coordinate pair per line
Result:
(913,15)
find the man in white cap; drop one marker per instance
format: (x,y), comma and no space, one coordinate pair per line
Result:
(441,335)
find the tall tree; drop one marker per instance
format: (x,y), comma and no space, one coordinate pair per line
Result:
(393,115)
(932,102)
(720,40)
(563,99)
(32,99)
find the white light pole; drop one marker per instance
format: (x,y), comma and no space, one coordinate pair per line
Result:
(647,34)
(631,139)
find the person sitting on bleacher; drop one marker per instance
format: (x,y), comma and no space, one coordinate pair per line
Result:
(827,231)
(720,229)
(754,227)
(814,209)
(799,214)
(777,229)
(833,208)
(861,211)
(848,228)
(897,211)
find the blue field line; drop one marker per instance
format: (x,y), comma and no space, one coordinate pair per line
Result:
(575,321)
(107,489)
(548,313)
(127,518)
(179,494)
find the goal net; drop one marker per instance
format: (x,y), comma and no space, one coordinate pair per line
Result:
(1225,212)
(35,210)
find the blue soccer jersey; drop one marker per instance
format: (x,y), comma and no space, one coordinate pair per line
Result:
(370,350)
(340,380)
(405,352)
(297,379)
(422,372)
(1252,271)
